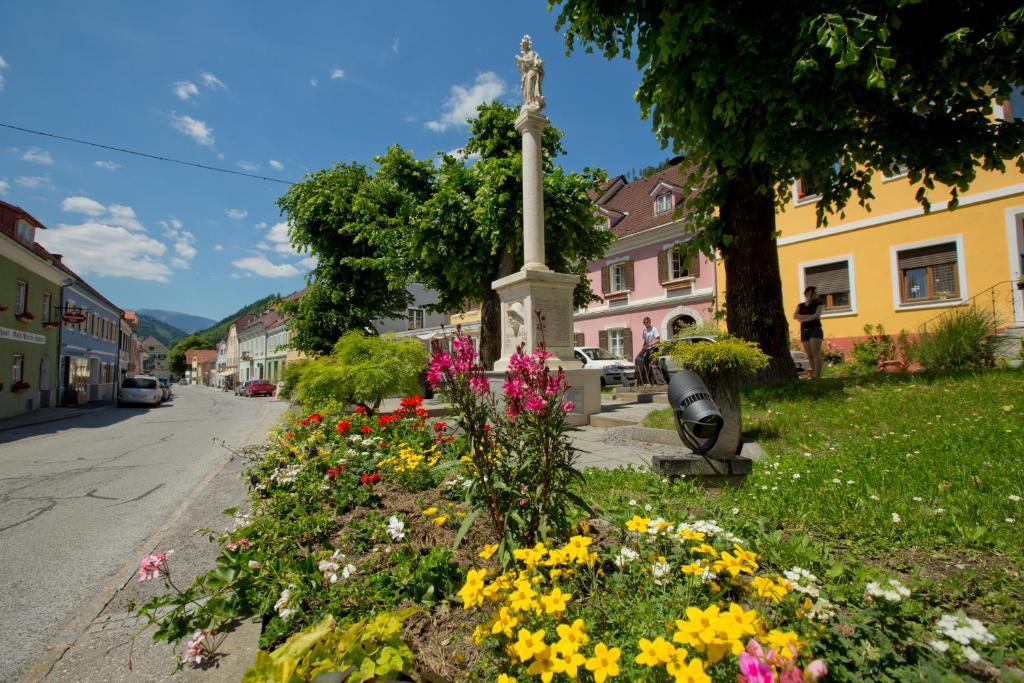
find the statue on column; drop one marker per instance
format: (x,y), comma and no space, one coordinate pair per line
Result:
(531,70)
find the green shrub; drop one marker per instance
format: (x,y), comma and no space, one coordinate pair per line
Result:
(361,370)
(726,355)
(710,328)
(961,339)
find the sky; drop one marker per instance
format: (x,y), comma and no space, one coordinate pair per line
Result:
(266,88)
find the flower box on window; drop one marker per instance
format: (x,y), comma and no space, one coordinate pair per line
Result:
(52,323)
(25,317)
(20,386)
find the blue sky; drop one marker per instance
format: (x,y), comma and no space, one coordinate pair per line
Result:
(277,89)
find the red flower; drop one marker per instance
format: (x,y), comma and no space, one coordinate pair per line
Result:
(366,429)
(411,402)
(440,426)
(315,417)
(360,409)
(421,413)
(344,426)
(369,479)
(487,428)
(289,436)
(386,420)
(333,472)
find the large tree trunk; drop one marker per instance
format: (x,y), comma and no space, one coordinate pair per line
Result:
(490,315)
(753,295)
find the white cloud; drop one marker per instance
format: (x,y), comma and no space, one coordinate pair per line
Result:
(277,236)
(98,248)
(261,265)
(337,73)
(38,156)
(3,65)
(4,186)
(90,207)
(260,225)
(106,165)
(314,82)
(218,247)
(33,182)
(249,166)
(235,276)
(462,101)
(309,263)
(237,214)
(184,250)
(263,246)
(123,216)
(212,82)
(185,90)
(194,128)
(460,153)
(275,164)
(394,46)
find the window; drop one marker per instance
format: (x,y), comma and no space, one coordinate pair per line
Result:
(22,301)
(46,306)
(832,280)
(901,172)
(617,343)
(679,268)
(805,189)
(17,368)
(929,273)
(414,316)
(663,203)
(617,273)
(26,233)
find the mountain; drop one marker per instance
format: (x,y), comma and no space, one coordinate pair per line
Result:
(182,321)
(217,330)
(151,327)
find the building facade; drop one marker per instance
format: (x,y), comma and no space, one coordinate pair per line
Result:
(278,336)
(30,292)
(252,349)
(89,344)
(155,358)
(201,365)
(128,346)
(647,271)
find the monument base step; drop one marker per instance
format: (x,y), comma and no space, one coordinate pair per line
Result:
(608,421)
(640,396)
(692,465)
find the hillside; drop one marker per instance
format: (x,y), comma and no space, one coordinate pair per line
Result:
(219,329)
(152,327)
(183,321)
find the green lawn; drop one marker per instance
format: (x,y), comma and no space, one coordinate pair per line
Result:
(912,475)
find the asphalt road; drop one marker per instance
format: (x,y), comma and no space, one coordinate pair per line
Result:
(79,498)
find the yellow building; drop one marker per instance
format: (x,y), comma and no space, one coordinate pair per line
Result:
(900,267)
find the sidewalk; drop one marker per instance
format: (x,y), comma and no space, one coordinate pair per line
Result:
(44,415)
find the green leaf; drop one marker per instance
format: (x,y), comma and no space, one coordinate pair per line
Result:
(464,527)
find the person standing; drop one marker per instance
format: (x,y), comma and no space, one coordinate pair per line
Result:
(651,338)
(811,332)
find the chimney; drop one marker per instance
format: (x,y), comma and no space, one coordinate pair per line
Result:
(57,258)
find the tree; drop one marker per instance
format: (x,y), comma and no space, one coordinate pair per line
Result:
(340,214)
(760,93)
(470,230)
(177,353)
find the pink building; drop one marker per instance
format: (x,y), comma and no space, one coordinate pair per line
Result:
(643,273)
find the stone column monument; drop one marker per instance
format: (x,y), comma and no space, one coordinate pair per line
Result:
(536,288)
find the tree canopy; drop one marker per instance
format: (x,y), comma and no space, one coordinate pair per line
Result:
(176,356)
(759,93)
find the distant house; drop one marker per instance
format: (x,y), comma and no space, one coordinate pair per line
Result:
(201,363)
(155,358)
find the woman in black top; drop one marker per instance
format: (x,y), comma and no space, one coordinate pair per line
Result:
(811,334)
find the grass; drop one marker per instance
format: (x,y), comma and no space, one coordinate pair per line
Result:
(915,475)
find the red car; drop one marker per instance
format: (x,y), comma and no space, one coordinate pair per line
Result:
(259,387)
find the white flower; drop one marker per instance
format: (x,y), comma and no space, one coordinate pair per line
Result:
(939,645)
(964,629)
(648,507)
(282,603)
(836,481)
(917,499)
(796,475)
(735,511)
(659,570)
(850,482)
(396,528)
(329,568)
(253,564)
(1014,498)
(1011,520)
(938,511)
(625,555)
(896,519)
(971,654)
(348,570)
(894,591)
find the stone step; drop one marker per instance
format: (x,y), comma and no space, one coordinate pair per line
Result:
(607,421)
(641,396)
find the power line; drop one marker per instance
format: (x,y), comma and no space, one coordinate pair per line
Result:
(144,154)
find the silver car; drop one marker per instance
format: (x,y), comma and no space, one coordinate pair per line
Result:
(614,370)
(145,390)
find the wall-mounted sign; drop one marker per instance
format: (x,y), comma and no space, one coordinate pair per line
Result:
(22,336)
(73,316)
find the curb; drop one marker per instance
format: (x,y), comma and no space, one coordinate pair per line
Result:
(39,669)
(55,418)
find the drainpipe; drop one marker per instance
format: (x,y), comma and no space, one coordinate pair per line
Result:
(60,343)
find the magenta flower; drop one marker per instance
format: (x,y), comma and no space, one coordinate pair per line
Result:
(153,565)
(536,404)
(816,670)
(753,670)
(479,384)
(568,406)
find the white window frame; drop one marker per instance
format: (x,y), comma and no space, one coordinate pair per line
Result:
(410,316)
(894,268)
(619,269)
(21,298)
(802,201)
(25,231)
(619,334)
(802,270)
(17,368)
(903,172)
(47,304)
(663,198)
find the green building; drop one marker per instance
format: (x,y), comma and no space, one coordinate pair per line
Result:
(30,295)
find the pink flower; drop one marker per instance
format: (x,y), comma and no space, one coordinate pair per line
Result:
(569,406)
(513,388)
(815,670)
(479,384)
(536,404)
(153,565)
(753,670)
(240,543)
(198,648)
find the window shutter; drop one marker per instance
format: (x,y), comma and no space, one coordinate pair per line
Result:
(627,343)
(663,266)
(928,256)
(602,339)
(628,268)
(579,339)
(694,270)
(606,280)
(829,278)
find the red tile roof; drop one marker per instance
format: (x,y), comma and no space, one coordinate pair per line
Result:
(630,206)
(203,355)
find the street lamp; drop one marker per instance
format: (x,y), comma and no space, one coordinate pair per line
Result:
(697,417)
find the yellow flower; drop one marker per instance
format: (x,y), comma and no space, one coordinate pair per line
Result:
(571,638)
(546,665)
(746,556)
(705,549)
(571,663)
(693,672)
(556,558)
(605,662)
(699,627)
(440,520)
(677,662)
(733,564)
(521,599)
(738,622)
(781,641)
(430,512)
(529,644)
(479,633)
(471,592)
(555,602)
(694,568)
(488,550)
(770,590)
(504,622)
(655,653)
(638,523)
(505,678)
(576,548)
(691,535)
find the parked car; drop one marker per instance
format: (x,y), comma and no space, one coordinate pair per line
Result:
(182,381)
(614,368)
(165,385)
(240,388)
(144,389)
(259,387)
